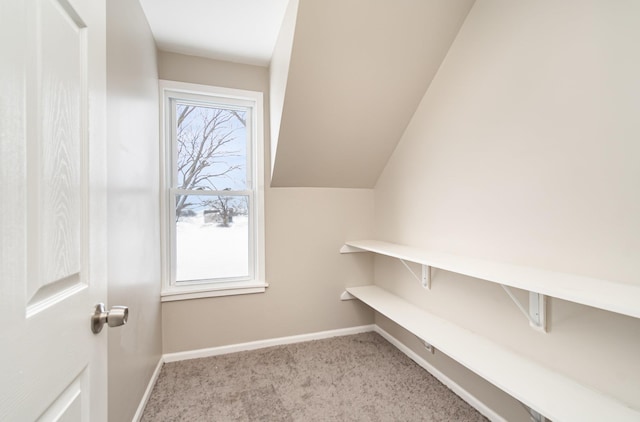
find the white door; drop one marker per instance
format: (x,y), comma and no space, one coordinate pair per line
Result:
(52,209)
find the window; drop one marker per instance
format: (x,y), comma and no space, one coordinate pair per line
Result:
(212,191)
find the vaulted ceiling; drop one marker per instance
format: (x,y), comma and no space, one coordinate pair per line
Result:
(356,72)
(346,75)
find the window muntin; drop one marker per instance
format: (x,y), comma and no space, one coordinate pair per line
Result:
(213,201)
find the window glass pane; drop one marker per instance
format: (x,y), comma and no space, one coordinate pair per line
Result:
(212,237)
(211,146)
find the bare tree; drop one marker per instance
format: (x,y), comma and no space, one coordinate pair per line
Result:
(225,207)
(204,137)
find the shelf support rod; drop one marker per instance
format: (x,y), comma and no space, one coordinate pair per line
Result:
(425,278)
(536,314)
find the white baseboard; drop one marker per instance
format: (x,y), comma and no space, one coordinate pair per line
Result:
(215,351)
(147,392)
(452,385)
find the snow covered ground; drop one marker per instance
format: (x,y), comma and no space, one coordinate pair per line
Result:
(206,251)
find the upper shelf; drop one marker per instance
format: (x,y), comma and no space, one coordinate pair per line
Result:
(612,296)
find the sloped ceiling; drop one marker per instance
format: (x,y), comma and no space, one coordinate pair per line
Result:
(356,72)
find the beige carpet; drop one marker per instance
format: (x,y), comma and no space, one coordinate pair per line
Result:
(353,378)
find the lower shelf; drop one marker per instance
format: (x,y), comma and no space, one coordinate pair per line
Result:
(553,395)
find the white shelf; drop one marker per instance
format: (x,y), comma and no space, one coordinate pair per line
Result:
(555,396)
(612,296)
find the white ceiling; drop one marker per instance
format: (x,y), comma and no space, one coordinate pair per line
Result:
(243,31)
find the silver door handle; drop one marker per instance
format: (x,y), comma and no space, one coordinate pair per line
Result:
(116,317)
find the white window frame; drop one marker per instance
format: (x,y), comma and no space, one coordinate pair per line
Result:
(256,283)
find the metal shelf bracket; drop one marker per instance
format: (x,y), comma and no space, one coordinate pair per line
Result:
(428,346)
(350,249)
(535,416)
(537,313)
(347,296)
(425,278)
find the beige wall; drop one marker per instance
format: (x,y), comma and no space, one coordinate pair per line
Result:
(199,70)
(304,231)
(525,150)
(133,216)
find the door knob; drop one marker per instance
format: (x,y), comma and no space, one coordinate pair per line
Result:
(116,317)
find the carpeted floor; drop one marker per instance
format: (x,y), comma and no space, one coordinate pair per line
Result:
(353,378)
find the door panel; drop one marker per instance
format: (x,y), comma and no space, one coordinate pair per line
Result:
(70,404)
(52,212)
(57,143)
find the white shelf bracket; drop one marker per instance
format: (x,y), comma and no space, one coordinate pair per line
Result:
(535,416)
(347,296)
(350,249)
(537,313)
(428,346)
(425,278)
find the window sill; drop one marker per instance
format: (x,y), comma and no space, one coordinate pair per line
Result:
(203,291)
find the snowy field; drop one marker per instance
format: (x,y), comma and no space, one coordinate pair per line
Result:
(206,251)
